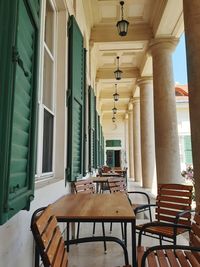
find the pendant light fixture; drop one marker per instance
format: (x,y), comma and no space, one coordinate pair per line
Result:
(116,95)
(122,25)
(118,72)
(114,109)
(113,119)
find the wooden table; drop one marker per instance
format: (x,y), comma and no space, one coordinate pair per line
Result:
(97,208)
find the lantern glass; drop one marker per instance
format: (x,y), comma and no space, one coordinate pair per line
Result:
(116,96)
(118,74)
(113,119)
(114,111)
(122,27)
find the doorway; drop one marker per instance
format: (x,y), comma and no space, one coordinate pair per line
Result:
(113,158)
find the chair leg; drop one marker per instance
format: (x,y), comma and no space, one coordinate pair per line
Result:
(67,236)
(111,227)
(93,232)
(78,229)
(122,229)
(160,239)
(104,242)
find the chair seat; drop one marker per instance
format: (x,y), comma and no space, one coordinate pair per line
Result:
(167,258)
(163,231)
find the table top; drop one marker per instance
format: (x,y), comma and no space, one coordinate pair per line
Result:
(110,174)
(102,179)
(93,207)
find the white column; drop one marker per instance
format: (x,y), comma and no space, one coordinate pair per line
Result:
(126,122)
(136,140)
(192,36)
(130,130)
(166,132)
(147,132)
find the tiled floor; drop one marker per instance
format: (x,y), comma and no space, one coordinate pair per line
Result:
(92,254)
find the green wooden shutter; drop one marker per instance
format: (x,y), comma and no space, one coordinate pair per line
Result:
(188,149)
(85,115)
(98,147)
(92,138)
(18,106)
(76,102)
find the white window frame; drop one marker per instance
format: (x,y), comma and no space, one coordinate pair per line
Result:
(41,107)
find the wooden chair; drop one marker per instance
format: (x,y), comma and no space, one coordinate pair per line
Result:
(50,243)
(172,205)
(86,186)
(118,184)
(174,255)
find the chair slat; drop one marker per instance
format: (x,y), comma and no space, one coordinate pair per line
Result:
(152,260)
(174,206)
(171,212)
(64,261)
(171,257)
(175,186)
(176,192)
(48,231)
(42,221)
(53,246)
(182,259)
(140,252)
(59,255)
(161,258)
(196,231)
(192,259)
(173,199)
(171,219)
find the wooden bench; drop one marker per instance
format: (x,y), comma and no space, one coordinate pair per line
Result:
(50,243)
(174,255)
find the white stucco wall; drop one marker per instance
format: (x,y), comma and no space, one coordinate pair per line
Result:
(16,241)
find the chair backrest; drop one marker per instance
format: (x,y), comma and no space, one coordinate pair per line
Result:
(195,233)
(171,200)
(117,184)
(48,238)
(85,186)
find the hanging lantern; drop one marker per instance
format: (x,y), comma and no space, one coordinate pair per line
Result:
(122,25)
(114,110)
(116,95)
(118,72)
(113,119)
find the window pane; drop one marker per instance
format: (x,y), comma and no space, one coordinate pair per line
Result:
(47,142)
(48,82)
(49,26)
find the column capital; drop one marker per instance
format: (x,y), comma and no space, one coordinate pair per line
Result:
(126,116)
(136,100)
(145,80)
(160,44)
(130,106)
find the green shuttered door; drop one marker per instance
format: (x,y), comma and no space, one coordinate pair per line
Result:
(19,166)
(76,102)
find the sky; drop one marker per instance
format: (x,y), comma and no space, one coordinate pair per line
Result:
(179,62)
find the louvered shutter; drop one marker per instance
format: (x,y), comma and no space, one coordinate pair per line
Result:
(76,102)
(92,136)
(18,128)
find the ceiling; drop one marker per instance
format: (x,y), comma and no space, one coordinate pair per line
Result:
(148,19)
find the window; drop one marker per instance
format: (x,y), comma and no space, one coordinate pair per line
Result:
(113,143)
(45,166)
